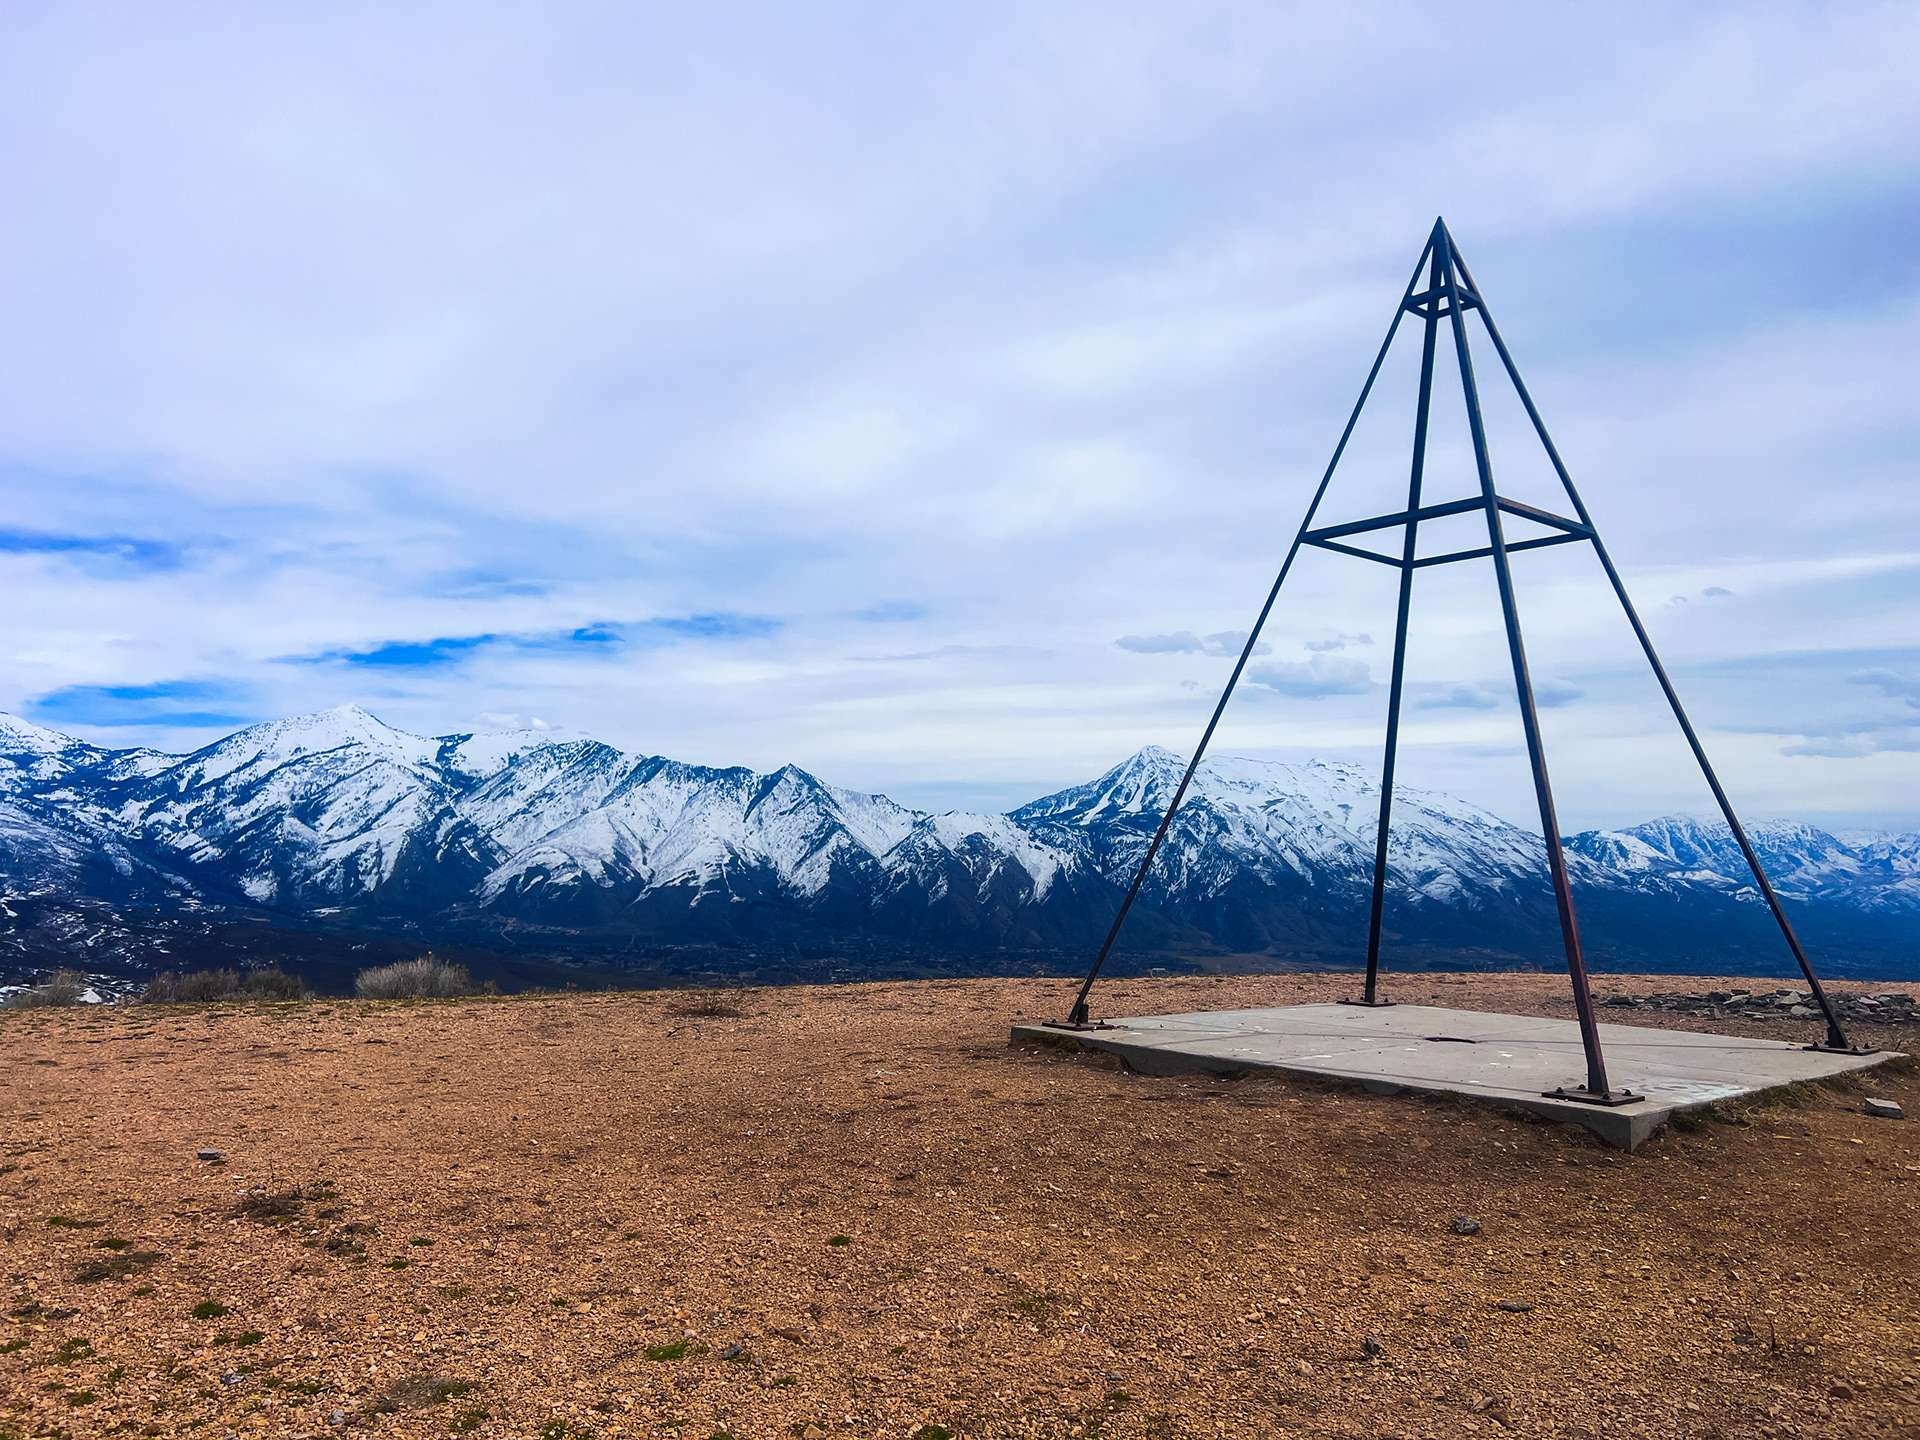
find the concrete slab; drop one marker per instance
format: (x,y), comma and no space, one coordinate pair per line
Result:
(1502,1059)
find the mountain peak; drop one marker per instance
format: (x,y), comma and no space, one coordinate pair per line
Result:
(278,741)
(19,736)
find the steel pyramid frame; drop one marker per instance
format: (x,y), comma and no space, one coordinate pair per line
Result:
(1449,295)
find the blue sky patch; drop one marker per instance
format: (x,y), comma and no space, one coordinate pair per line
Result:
(144,555)
(605,637)
(167,702)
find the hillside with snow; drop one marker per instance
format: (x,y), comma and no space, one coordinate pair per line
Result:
(337,823)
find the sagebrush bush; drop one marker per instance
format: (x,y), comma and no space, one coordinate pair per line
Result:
(713,1002)
(273,984)
(167,988)
(422,979)
(63,987)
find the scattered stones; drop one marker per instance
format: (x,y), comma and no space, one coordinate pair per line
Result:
(1371,1346)
(1466,1225)
(1892,1008)
(1885,1109)
(210,1155)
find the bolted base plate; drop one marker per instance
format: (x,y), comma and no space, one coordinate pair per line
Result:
(1076,1024)
(1825,1049)
(1587,1097)
(1369,1004)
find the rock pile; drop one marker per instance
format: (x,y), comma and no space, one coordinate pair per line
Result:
(1888,1009)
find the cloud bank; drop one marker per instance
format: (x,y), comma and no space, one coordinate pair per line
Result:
(831,385)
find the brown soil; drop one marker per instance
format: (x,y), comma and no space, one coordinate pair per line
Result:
(494,1214)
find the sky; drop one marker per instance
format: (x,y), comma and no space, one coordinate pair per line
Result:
(927,395)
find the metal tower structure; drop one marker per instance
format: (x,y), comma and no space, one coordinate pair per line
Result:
(1444,299)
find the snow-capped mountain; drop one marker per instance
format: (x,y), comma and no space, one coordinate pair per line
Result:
(338,819)
(1874,873)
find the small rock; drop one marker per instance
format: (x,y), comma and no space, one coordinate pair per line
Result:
(1841,1390)
(233,1377)
(337,1417)
(1885,1109)
(211,1155)
(1466,1225)
(813,1432)
(1458,1342)
(1371,1345)
(1302,1367)
(1515,1307)
(1114,1377)
(731,1352)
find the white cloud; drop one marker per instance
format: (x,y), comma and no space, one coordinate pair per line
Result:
(1185,642)
(1902,687)
(1461,697)
(1554,693)
(1322,675)
(970,335)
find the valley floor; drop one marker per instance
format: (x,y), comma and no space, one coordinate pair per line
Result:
(558,1216)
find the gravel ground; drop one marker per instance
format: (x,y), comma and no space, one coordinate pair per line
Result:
(558,1216)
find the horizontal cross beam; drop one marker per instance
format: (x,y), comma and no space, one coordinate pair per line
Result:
(1485,550)
(1354,550)
(1325,537)
(1428,303)
(1386,522)
(1451,507)
(1545,517)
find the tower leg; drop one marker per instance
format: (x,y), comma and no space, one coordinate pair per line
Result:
(1079,1014)
(1836,1040)
(1596,1090)
(1371,995)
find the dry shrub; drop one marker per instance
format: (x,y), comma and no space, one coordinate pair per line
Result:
(63,987)
(274,1207)
(422,979)
(417,1392)
(273,984)
(713,1002)
(167,988)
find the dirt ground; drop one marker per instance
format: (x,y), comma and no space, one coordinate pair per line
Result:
(558,1216)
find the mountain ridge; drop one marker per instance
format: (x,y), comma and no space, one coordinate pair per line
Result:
(338,819)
